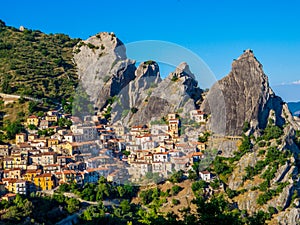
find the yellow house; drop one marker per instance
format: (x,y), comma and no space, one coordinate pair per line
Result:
(15,186)
(12,173)
(32,137)
(29,175)
(34,120)
(69,147)
(8,163)
(174,128)
(51,118)
(68,176)
(20,161)
(9,184)
(44,181)
(52,142)
(20,138)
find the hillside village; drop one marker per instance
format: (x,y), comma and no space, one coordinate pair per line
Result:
(90,149)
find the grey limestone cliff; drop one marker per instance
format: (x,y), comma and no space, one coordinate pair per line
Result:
(103,67)
(243,95)
(153,98)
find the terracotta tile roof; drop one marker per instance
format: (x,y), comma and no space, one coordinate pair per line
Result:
(44,175)
(32,117)
(205,172)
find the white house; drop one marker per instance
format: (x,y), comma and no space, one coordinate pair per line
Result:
(159,129)
(205,175)
(198,116)
(161,157)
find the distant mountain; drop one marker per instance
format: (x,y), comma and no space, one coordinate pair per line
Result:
(294,107)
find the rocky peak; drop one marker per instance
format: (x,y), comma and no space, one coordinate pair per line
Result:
(103,67)
(153,97)
(147,69)
(243,95)
(109,41)
(182,70)
(247,67)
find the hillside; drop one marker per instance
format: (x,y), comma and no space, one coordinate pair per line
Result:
(30,58)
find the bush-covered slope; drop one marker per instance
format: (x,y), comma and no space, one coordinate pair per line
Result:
(36,64)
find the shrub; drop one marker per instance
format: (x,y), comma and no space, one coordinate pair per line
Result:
(272,210)
(204,137)
(231,193)
(221,167)
(91,46)
(175,201)
(264,186)
(198,185)
(176,177)
(146,196)
(246,126)
(262,144)
(261,152)
(272,132)
(246,144)
(215,184)
(176,189)
(134,110)
(174,78)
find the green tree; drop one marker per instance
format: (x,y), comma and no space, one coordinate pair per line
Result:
(197,185)
(73,205)
(121,191)
(32,127)
(13,128)
(125,206)
(176,189)
(6,88)
(176,177)
(246,126)
(32,107)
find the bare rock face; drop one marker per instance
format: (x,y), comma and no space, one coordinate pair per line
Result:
(243,95)
(288,217)
(179,89)
(152,98)
(103,68)
(133,95)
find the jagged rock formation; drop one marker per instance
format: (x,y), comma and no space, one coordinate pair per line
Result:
(243,95)
(153,98)
(288,217)
(286,173)
(104,72)
(103,68)
(133,95)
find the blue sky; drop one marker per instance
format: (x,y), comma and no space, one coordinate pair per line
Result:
(217,31)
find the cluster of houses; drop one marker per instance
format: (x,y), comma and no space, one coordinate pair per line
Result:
(90,149)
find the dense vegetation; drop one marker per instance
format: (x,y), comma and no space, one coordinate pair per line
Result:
(50,210)
(39,210)
(30,57)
